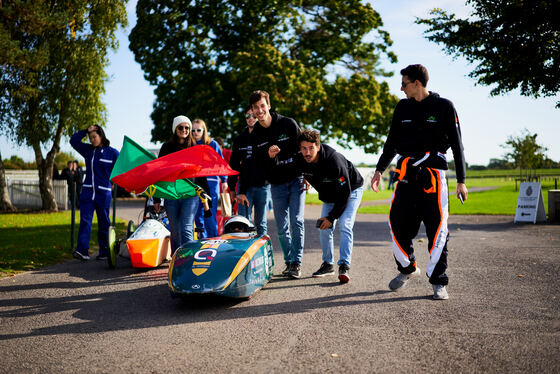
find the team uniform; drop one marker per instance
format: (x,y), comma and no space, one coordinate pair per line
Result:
(421,133)
(96,192)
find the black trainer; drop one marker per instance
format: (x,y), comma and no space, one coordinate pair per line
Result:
(286,271)
(102,257)
(324,270)
(295,271)
(344,273)
(80,256)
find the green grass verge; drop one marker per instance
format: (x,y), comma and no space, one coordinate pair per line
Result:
(35,240)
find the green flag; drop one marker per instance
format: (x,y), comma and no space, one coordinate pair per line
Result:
(180,189)
(133,155)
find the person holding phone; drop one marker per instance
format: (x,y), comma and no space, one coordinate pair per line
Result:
(424,127)
(339,185)
(249,189)
(275,141)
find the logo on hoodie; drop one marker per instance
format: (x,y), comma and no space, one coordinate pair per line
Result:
(283,137)
(342,181)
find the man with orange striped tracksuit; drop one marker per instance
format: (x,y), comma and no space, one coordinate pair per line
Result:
(424,127)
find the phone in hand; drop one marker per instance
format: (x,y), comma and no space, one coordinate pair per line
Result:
(318,223)
(461,198)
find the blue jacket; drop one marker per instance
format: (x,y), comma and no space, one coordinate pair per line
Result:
(99,164)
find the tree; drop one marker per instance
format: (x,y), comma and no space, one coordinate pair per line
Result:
(525,153)
(62,158)
(5,201)
(496,163)
(53,58)
(18,163)
(205,58)
(516,43)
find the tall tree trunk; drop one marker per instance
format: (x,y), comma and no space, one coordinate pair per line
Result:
(45,165)
(45,168)
(5,202)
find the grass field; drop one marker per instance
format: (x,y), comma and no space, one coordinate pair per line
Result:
(35,240)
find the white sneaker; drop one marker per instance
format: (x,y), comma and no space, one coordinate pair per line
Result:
(400,280)
(440,293)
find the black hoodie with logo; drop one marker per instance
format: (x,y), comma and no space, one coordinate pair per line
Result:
(419,127)
(334,178)
(283,132)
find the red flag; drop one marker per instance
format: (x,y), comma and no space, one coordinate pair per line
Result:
(197,161)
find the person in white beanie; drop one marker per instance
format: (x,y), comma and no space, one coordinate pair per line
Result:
(181,212)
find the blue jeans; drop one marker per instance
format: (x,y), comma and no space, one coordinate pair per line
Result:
(288,200)
(258,197)
(346,227)
(181,217)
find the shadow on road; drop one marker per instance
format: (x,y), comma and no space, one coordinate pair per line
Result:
(139,307)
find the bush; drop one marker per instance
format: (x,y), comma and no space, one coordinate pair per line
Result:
(17,163)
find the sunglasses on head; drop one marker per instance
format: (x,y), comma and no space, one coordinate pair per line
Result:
(197,130)
(181,128)
(247,116)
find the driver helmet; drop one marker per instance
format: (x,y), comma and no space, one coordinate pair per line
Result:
(238,224)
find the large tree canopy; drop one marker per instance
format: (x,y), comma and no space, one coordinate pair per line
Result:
(53,58)
(206,57)
(515,43)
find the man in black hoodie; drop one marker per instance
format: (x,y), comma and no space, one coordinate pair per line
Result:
(275,142)
(339,185)
(251,188)
(424,127)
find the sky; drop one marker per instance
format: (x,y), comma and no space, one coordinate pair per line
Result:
(486,122)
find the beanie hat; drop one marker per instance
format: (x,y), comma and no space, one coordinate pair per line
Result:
(181,119)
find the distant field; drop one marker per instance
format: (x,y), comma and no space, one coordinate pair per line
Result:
(510,173)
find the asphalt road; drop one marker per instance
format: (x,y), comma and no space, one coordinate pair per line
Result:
(502,316)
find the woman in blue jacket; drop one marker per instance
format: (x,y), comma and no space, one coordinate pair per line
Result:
(210,224)
(96,189)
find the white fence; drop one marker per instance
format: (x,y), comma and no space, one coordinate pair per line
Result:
(23,188)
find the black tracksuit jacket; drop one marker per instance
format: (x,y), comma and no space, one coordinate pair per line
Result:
(334,178)
(431,125)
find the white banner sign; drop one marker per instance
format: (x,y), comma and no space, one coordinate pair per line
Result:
(530,205)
